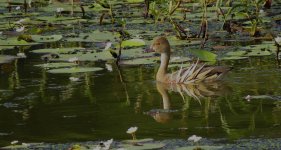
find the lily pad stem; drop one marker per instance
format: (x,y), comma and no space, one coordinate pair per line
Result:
(72,8)
(146,9)
(83,11)
(134,136)
(119,52)
(277,52)
(25,6)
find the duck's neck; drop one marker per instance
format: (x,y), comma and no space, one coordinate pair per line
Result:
(162,71)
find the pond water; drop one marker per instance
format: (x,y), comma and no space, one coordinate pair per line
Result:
(36,106)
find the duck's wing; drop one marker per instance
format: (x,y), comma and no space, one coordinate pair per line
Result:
(216,73)
(196,73)
(190,74)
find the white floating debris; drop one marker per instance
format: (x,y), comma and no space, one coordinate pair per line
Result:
(278,40)
(248,98)
(132,130)
(21,55)
(18,8)
(194,138)
(14,142)
(20,29)
(59,10)
(74,79)
(104,145)
(108,67)
(108,45)
(20,21)
(73,59)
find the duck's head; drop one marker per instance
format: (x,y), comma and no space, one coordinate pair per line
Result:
(160,45)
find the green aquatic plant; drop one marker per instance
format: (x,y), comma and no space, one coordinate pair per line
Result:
(278,45)
(105,7)
(164,10)
(251,10)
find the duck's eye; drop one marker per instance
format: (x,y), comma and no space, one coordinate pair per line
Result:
(157,43)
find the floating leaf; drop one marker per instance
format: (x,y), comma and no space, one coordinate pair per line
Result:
(75,70)
(55,19)
(233,58)
(204,55)
(98,7)
(138,141)
(15,42)
(6,47)
(14,147)
(200,147)
(134,53)
(140,61)
(6,58)
(95,56)
(48,38)
(58,50)
(82,37)
(146,146)
(135,1)
(56,65)
(236,53)
(258,53)
(152,60)
(103,36)
(133,43)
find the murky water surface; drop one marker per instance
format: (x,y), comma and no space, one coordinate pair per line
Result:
(36,106)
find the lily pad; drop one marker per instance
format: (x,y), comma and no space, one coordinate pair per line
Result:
(141,61)
(146,146)
(133,43)
(95,56)
(15,147)
(200,147)
(232,58)
(6,58)
(6,47)
(134,53)
(98,7)
(138,141)
(56,65)
(43,39)
(15,42)
(236,53)
(53,19)
(66,7)
(103,36)
(58,50)
(75,70)
(258,53)
(204,55)
(82,37)
(135,1)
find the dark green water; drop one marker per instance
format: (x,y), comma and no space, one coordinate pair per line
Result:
(40,107)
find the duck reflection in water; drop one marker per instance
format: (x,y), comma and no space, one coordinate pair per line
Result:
(196,91)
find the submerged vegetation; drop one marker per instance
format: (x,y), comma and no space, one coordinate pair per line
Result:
(62,58)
